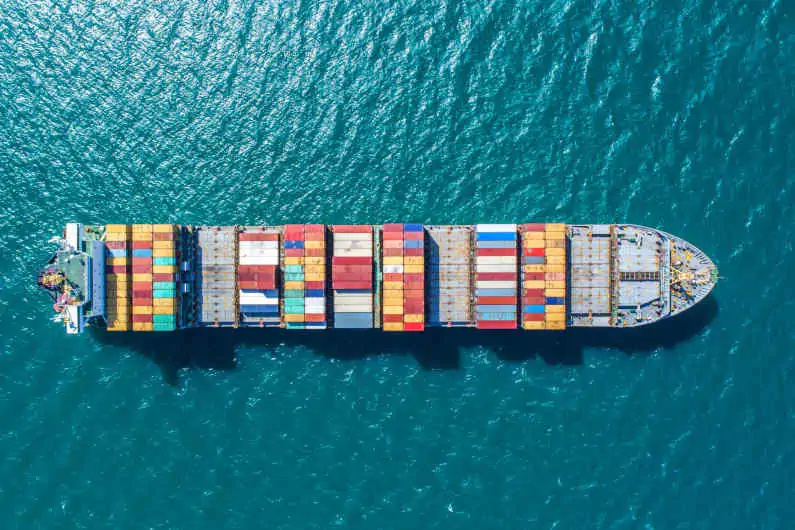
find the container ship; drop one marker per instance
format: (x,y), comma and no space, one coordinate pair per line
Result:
(395,277)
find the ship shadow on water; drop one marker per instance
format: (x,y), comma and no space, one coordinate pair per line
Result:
(434,349)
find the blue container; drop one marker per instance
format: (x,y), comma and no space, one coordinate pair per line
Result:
(315,293)
(496,244)
(353,291)
(495,292)
(495,316)
(353,320)
(496,236)
(260,310)
(293,244)
(293,268)
(412,227)
(142,252)
(555,300)
(533,309)
(294,277)
(533,260)
(315,325)
(495,308)
(164,261)
(117,252)
(412,244)
(164,293)
(164,285)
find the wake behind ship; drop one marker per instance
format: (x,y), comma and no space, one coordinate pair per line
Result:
(396,277)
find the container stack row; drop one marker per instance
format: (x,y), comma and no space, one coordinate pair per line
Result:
(257,262)
(117,277)
(142,300)
(315,281)
(352,276)
(294,276)
(496,276)
(555,276)
(404,277)
(449,268)
(164,278)
(217,294)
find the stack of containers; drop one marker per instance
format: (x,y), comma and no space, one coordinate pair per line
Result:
(533,276)
(352,276)
(117,271)
(294,295)
(555,276)
(414,277)
(496,276)
(315,280)
(393,308)
(164,278)
(142,278)
(258,258)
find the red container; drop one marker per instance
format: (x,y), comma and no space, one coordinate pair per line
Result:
(533,227)
(413,252)
(393,227)
(266,284)
(258,236)
(294,252)
(163,277)
(247,284)
(413,285)
(116,269)
(163,236)
(555,276)
(413,236)
(496,252)
(533,252)
(315,236)
(315,285)
(533,276)
(533,300)
(295,228)
(352,285)
(315,252)
(393,236)
(141,244)
(314,317)
(413,326)
(142,269)
(142,301)
(138,319)
(413,308)
(315,229)
(116,245)
(533,317)
(496,324)
(414,277)
(393,252)
(496,300)
(495,276)
(534,292)
(392,319)
(142,261)
(351,269)
(393,277)
(352,229)
(337,260)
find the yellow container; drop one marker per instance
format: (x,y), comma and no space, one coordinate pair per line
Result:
(315,277)
(556,260)
(162,310)
(117,325)
(117,261)
(162,244)
(116,236)
(393,285)
(142,326)
(293,285)
(555,317)
(393,260)
(162,228)
(532,236)
(141,277)
(555,227)
(555,292)
(393,300)
(164,269)
(142,236)
(412,260)
(557,324)
(555,252)
(117,228)
(533,325)
(289,260)
(555,284)
(165,302)
(554,309)
(142,310)
(393,310)
(393,326)
(314,261)
(142,228)
(555,243)
(414,319)
(534,268)
(164,253)
(552,267)
(413,269)
(315,244)
(532,284)
(534,243)
(293,318)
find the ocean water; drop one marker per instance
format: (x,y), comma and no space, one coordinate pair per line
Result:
(677,115)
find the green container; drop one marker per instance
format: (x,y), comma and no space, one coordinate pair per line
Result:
(293,268)
(164,319)
(164,261)
(164,293)
(293,293)
(164,285)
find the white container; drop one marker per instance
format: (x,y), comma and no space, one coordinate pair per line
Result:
(274,260)
(393,269)
(495,228)
(495,260)
(363,308)
(353,237)
(353,253)
(352,244)
(496,285)
(258,244)
(495,268)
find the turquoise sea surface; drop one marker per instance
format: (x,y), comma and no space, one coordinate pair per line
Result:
(678,115)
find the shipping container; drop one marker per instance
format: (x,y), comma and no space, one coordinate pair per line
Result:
(449,273)
(216,257)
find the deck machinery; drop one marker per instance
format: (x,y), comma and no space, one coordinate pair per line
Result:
(616,276)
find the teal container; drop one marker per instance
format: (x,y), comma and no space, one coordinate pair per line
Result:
(164,285)
(164,261)
(296,325)
(164,319)
(163,327)
(293,268)
(294,277)
(293,293)
(164,293)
